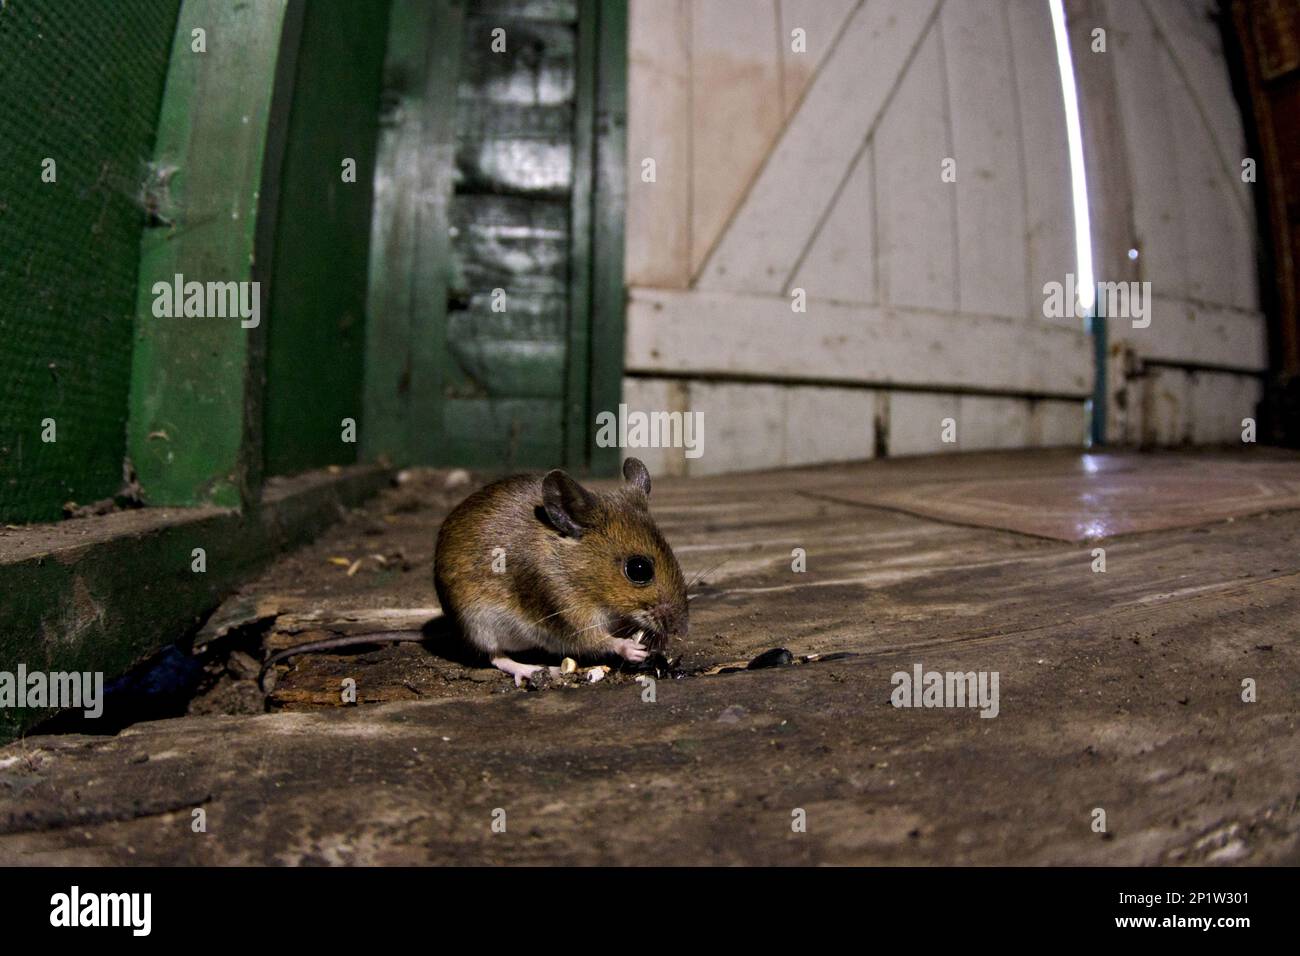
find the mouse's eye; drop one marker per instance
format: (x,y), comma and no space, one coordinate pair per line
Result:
(639,569)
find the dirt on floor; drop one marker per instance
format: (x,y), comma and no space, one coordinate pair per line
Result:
(1143,714)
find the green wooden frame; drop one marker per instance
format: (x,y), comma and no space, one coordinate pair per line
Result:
(195,422)
(410,249)
(598,298)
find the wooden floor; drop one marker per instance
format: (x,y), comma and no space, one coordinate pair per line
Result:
(1120,691)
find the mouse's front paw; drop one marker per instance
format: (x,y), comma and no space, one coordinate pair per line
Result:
(630,649)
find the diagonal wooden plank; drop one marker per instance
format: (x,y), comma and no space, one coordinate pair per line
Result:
(1143,101)
(736,114)
(804,172)
(821,21)
(840,263)
(1192,38)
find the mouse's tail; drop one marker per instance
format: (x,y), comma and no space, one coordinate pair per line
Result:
(335,643)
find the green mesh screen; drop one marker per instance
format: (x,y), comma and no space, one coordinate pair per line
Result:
(80,83)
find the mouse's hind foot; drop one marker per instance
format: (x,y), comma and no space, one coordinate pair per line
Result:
(520,672)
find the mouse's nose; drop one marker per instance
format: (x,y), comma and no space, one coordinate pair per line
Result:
(674,620)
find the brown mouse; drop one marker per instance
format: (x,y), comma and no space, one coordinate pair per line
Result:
(540,562)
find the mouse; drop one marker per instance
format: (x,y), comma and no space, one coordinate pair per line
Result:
(540,562)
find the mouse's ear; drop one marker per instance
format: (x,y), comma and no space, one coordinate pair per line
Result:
(636,473)
(571,507)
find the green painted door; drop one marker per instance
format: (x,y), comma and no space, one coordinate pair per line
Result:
(495,321)
(507,325)
(509,306)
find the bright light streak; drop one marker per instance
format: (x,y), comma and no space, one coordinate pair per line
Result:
(1078,178)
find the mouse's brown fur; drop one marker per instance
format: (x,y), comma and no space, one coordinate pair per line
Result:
(539,561)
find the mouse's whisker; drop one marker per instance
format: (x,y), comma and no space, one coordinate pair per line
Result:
(562,610)
(589,627)
(690,584)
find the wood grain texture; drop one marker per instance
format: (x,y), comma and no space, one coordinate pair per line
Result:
(1144,104)
(1126,683)
(1127,499)
(916,212)
(1189,31)
(1197,333)
(760,336)
(916,423)
(658,231)
(985,130)
(1181,406)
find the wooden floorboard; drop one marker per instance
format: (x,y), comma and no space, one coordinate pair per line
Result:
(1120,691)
